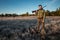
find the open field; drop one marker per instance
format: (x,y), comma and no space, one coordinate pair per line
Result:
(27,17)
(18,17)
(16,28)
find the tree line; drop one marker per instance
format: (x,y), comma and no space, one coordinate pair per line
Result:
(47,12)
(53,13)
(8,15)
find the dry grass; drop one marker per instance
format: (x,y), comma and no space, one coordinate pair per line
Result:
(28,17)
(19,17)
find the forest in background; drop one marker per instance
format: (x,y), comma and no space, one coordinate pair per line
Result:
(48,13)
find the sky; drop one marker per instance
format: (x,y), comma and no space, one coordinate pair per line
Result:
(23,6)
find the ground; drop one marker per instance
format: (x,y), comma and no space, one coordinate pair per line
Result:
(15,28)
